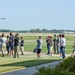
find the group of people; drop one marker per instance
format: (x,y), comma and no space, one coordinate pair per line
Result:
(58,43)
(11,43)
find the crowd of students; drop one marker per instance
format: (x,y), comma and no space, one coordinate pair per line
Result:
(58,44)
(12,43)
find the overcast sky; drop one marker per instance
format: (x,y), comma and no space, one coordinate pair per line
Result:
(32,14)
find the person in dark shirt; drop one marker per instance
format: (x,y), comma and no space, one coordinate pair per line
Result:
(22,46)
(58,44)
(16,44)
(48,45)
(11,44)
(55,44)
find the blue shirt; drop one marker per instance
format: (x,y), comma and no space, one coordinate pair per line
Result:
(11,40)
(22,43)
(39,44)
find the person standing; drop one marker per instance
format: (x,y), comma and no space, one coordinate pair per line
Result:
(7,45)
(55,44)
(39,46)
(22,46)
(11,44)
(48,45)
(60,44)
(1,42)
(16,46)
(51,46)
(63,45)
(4,44)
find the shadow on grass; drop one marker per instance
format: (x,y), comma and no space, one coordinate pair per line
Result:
(30,63)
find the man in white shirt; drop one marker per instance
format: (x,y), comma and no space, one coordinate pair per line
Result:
(63,45)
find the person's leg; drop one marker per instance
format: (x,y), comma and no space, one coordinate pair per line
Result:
(17,51)
(14,52)
(57,49)
(22,50)
(51,50)
(48,46)
(7,47)
(54,49)
(38,53)
(2,51)
(60,52)
(63,52)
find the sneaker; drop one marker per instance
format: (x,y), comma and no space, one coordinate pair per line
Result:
(60,57)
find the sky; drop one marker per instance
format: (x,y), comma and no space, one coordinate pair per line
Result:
(33,14)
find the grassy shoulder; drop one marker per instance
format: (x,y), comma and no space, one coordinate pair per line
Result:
(8,63)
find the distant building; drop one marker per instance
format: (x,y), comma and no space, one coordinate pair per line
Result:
(68,32)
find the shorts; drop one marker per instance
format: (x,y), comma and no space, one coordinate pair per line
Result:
(11,47)
(38,51)
(21,48)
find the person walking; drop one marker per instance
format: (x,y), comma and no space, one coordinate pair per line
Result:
(39,46)
(16,46)
(22,46)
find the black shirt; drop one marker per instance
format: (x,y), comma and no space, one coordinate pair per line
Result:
(16,41)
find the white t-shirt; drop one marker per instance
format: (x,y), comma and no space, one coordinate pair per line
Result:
(60,41)
(4,41)
(63,42)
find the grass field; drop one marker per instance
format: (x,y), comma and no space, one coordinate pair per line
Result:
(7,63)
(30,41)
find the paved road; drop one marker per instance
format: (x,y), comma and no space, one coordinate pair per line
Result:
(30,70)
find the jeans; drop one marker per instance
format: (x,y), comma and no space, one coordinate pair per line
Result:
(63,51)
(48,47)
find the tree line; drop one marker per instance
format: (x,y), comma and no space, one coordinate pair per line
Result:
(37,31)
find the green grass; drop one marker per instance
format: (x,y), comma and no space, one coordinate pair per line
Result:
(7,63)
(29,46)
(30,42)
